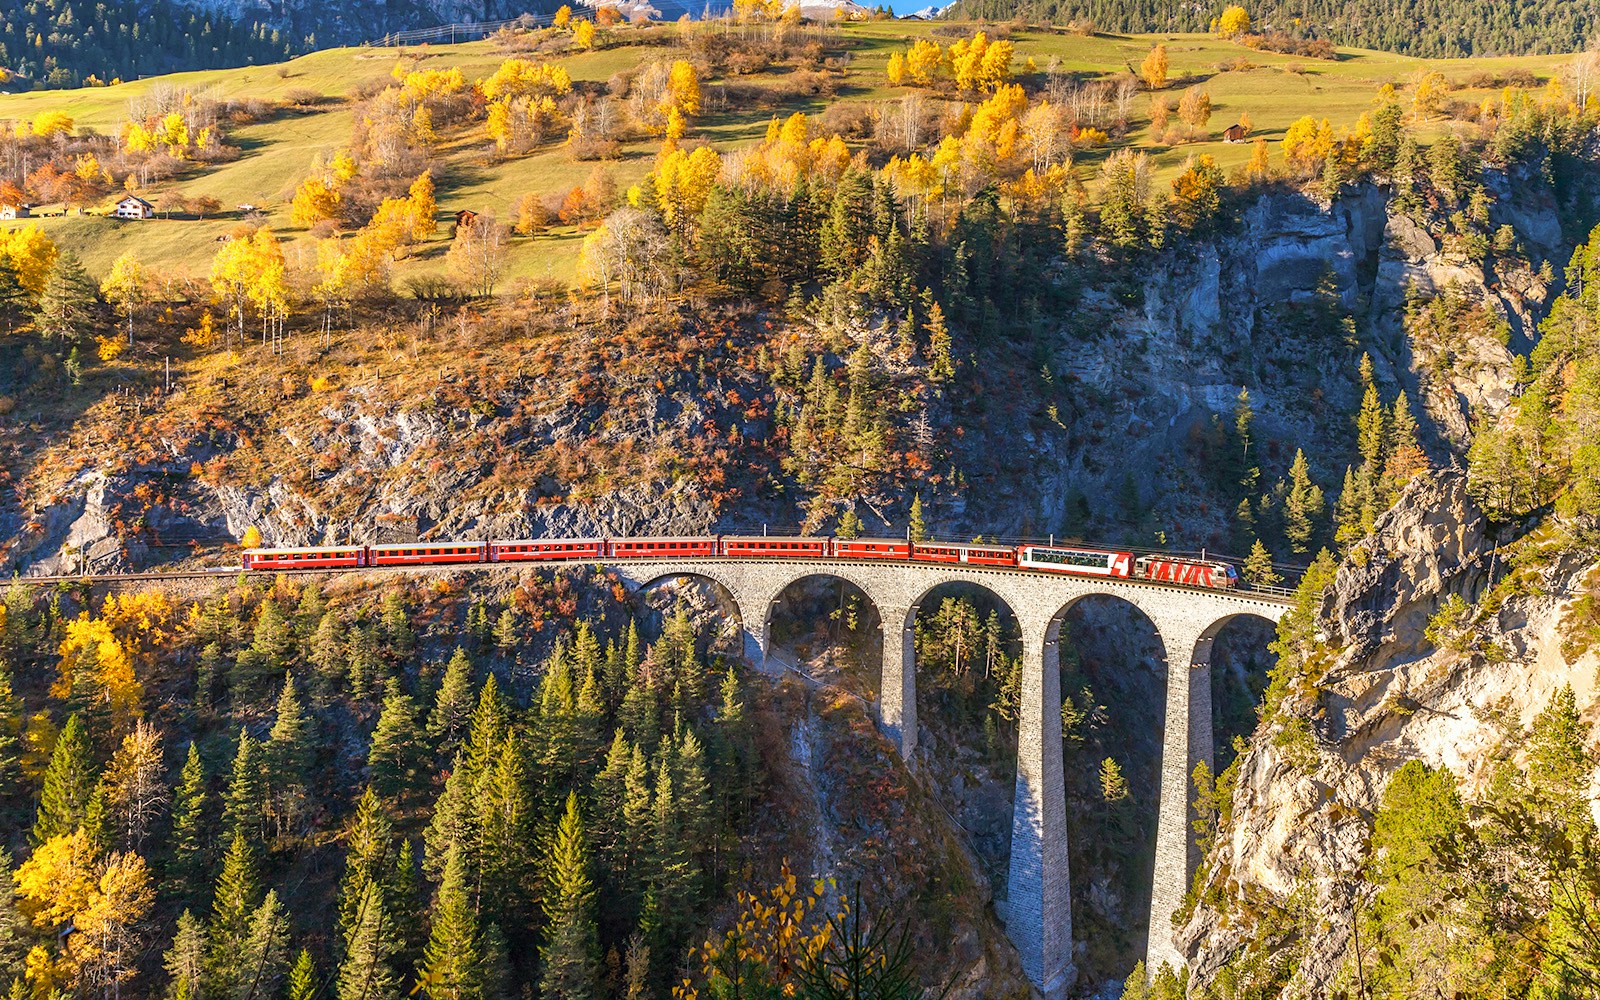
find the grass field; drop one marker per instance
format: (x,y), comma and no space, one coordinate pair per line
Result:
(1274,89)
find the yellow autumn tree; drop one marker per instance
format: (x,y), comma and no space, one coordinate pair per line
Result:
(924,60)
(583,34)
(683,182)
(1307,142)
(523,77)
(1154,68)
(314,201)
(95,666)
(250,272)
(50,123)
(58,880)
(1233,22)
(127,287)
(31,254)
(424,208)
(683,89)
(896,70)
(563,16)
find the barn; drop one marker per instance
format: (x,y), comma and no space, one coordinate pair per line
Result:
(133,207)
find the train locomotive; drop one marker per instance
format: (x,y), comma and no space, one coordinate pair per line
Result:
(1077,561)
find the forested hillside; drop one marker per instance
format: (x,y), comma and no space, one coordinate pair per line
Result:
(1432,29)
(950,280)
(71,43)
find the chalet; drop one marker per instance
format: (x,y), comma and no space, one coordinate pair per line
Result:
(465,218)
(133,207)
(1234,133)
(8,212)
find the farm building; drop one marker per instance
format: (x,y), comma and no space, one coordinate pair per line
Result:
(133,207)
(8,212)
(1234,133)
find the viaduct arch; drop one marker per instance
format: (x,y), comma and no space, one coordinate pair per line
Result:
(1038,912)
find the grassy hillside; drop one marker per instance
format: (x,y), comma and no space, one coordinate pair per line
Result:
(277,152)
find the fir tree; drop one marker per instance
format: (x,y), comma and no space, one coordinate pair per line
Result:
(189,818)
(367,859)
(1559,759)
(69,784)
(918,530)
(392,756)
(185,960)
(452,963)
(308,613)
(233,903)
(397,625)
(369,947)
(328,653)
(506,633)
(849,524)
(1258,566)
(66,309)
(505,814)
(1302,505)
(287,758)
(303,977)
(244,803)
(452,709)
(452,827)
(10,735)
(569,956)
(941,368)
(265,954)
(695,803)
(487,730)
(640,715)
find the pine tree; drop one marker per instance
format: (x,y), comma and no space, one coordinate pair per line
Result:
(918,530)
(10,735)
(392,757)
(397,625)
(265,954)
(1302,505)
(287,757)
(189,817)
(1258,566)
(506,632)
(361,656)
(1559,759)
(452,963)
(609,790)
(328,653)
(185,960)
(941,368)
(571,971)
(849,524)
(303,977)
(695,802)
(66,309)
(640,715)
(487,730)
(274,636)
(505,815)
(308,613)
(452,828)
(367,859)
(452,709)
(497,973)
(69,784)
(233,904)
(369,947)
(244,803)
(13,928)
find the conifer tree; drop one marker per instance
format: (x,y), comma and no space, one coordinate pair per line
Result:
(369,947)
(496,962)
(634,654)
(397,625)
(452,708)
(849,524)
(69,784)
(308,613)
(609,790)
(246,796)
(287,757)
(452,963)
(274,636)
(367,860)
(695,803)
(487,730)
(303,977)
(265,955)
(13,928)
(941,368)
(452,827)
(328,653)
(918,530)
(362,660)
(233,903)
(392,757)
(506,632)
(189,819)
(569,956)
(1258,566)
(1302,505)
(1559,759)
(10,734)
(185,960)
(671,877)
(640,715)
(505,815)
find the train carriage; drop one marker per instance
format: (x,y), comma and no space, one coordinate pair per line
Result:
(1190,572)
(872,548)
(659,548)
(547,550)
(426,553)
(1087,562)
(325,557)
(775,547)
(977,555)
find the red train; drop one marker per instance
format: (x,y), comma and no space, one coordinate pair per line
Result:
(1039,558)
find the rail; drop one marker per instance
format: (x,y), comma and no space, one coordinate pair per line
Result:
(1275,595)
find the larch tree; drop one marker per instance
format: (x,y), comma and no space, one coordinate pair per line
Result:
(185,959)
(136,784)
(1154,68)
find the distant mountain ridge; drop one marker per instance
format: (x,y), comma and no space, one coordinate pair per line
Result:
(1426,28)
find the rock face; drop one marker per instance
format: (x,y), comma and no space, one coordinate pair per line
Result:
(1386,697)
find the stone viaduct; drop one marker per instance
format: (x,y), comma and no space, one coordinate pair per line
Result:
(1038,913)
